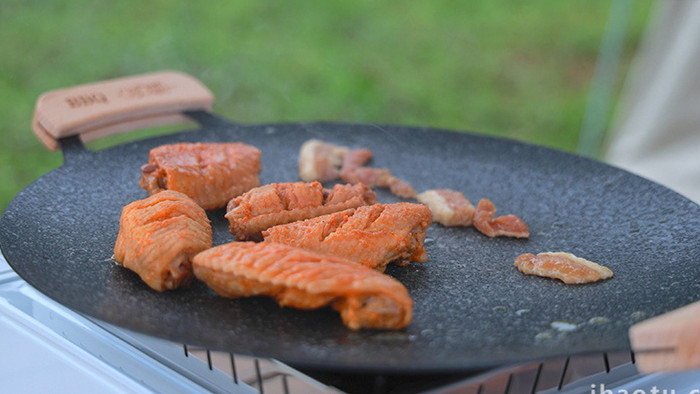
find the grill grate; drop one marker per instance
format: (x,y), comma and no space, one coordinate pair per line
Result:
(266,376)
(551,376)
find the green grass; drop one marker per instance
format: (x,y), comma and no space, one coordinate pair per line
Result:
(520,70)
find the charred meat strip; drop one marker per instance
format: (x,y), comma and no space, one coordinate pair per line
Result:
(320,161)
(563,266)
(372,235)
(301,279)
(449,207)
(280,203)
(354,171)
(159,235)
(210,173)
(502,226)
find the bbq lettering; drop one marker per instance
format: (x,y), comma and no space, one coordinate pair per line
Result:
(85,100)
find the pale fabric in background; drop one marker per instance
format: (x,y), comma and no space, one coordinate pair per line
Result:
(656,129)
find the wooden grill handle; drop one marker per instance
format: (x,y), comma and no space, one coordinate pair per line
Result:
(668,342)
(104,108)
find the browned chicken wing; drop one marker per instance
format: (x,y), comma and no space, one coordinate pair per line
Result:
(563,266)
(159,235)
(280,203)
(301,279)
(372,235)
(210,173)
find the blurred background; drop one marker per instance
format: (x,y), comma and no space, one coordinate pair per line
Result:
(521,70)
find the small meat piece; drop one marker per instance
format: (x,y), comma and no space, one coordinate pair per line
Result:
(210,173)
(563,266)
(301,279)
(401,188)
(372,235)
(380,177)
(502,226)
(323,161)
(158,237)
(353,171)
(449,207)
(280,203)
(320,161)
(356,158)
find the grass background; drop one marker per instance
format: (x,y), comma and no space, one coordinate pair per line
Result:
(520,70)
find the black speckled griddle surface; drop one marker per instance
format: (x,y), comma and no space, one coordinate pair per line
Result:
(472,308)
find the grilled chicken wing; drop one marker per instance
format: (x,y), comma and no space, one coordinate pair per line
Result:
(159,235)
(563,266)
(280,203)
(502,226)
(210,173)
(301,279)
(372,235)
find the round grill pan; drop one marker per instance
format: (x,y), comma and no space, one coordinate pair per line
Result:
(472,309)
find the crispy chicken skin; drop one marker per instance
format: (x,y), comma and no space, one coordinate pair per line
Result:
(449,207)
(563,266)
(502,226)
(301,279)
(159,235)
(280,203)
(210,173)
(372,235)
